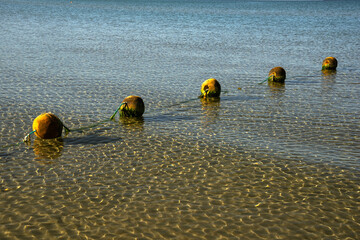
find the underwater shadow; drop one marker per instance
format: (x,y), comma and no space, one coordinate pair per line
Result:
(169,117)
(5,154)
(91,139)
(242,98)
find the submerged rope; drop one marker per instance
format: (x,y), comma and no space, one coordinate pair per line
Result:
(12,145)
(27,137)
(117,110)
(267,79)
(67,130)
(180,103)
(204,94)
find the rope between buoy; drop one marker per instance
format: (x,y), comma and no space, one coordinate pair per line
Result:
(117,110)
(204,95)
(86,127)
(67,130)
(180,103)
(27,137)
(12,145)
(267,79)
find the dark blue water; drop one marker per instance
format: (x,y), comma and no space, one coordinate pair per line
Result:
(264,162)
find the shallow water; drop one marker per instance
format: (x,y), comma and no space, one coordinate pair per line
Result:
(263,162)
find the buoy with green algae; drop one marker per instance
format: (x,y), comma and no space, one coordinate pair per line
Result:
(277,74)
(329,63)
(47,126)
(210,88)
(132,106)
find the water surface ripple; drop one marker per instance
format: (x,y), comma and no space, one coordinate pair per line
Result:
(263,162)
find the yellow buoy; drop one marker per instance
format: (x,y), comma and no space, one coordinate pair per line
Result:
(133,107)
(277,74)
(47,126)
(329,63)
(210,88)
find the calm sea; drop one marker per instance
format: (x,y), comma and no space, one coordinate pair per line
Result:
(263,162)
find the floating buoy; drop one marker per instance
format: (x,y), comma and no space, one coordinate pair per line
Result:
(277,74)
(329,63)
(133,106)
(47,126)
(210,88)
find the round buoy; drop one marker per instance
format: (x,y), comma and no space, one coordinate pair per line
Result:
(210,88)
(47,126)
(133,107)
(329,63)
(277,74)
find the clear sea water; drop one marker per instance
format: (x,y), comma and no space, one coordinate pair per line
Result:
(263,162)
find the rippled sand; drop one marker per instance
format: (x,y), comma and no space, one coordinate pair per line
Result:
(265,161)
(199,172)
